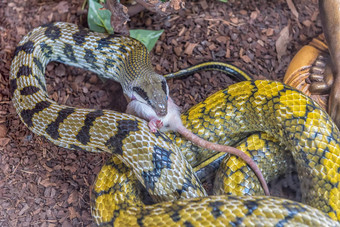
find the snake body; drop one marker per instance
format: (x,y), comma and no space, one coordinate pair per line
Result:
(156,160)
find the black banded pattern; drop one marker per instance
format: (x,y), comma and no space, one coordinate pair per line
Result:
(83,135)
(52,128)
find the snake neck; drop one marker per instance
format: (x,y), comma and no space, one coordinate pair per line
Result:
(120,58)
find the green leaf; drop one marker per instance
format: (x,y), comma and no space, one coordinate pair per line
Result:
(147,37)
(225,1)
(99,18)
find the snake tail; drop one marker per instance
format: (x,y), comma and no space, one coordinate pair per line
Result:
(233,71)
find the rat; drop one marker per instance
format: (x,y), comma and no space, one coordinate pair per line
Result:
(166,117)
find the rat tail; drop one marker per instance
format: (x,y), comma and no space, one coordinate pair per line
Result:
(227,149)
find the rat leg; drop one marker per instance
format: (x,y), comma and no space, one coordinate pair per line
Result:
(155,124)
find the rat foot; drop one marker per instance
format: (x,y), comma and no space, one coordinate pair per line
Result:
(155,124)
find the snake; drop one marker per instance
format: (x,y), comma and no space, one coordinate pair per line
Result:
(161,162)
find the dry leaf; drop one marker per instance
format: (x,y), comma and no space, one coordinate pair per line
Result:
(292,8)
(282,42)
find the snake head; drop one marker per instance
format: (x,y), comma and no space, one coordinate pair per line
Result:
(152,91)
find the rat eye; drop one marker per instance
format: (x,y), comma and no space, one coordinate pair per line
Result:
(141,93)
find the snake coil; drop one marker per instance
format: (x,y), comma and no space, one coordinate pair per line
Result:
(157,162)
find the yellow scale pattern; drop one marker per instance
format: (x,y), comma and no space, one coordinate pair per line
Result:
(160,164)
(240,103)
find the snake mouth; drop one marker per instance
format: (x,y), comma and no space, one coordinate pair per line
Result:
(161,107)
(161,112)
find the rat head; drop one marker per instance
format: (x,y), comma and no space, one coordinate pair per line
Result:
(153,91)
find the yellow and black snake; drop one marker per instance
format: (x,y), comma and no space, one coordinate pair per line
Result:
(162,162)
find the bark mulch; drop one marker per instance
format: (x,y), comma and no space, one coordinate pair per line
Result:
(45,185)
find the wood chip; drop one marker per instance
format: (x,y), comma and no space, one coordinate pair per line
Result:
(260,42)
(246,58)
(212,47)
(73,198)
(269,32)
(62,7)
(307,23)
(190,48)
(73,169)
(23,210)
(73,213)
(292,8)
(3,130)
(222,39)
(178,50)
(60,70)
(182,31)
(204,4)
(315,16)
(253,15)
(243,12)
(4,142)
(93,79)
(234,20)
(47,183)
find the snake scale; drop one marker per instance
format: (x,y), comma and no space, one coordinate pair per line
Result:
(158,161)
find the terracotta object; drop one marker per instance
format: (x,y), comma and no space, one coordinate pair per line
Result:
(308,66)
